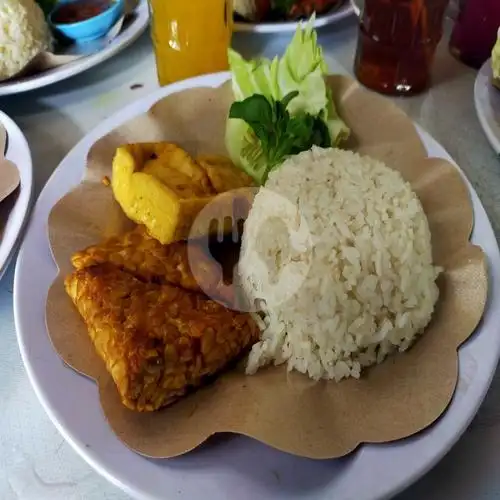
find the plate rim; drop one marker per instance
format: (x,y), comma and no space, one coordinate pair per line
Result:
(482,91)
(126,483)
(124,40)
(343,11)
(22,207)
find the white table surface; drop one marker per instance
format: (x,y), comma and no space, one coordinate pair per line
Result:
(35,461)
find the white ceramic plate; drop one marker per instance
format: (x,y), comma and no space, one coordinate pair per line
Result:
(19,153)
(487,100)
(334,16)
(233,464)
(128,35)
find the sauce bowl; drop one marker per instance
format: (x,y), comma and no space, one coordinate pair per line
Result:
(85,20)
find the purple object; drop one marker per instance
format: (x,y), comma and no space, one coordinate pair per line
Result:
(475,31)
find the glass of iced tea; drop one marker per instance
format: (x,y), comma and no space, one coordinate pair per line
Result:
(190,37)
(396,44)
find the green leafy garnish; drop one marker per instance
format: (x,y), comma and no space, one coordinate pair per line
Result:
(279,134)
(302,71)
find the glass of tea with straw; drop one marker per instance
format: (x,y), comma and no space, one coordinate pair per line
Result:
(397,42)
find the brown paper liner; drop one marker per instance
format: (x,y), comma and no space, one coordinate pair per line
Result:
(396,399)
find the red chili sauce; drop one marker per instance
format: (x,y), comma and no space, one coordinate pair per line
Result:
(80,10)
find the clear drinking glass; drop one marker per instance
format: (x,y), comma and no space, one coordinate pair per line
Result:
(397,42)
(190,37)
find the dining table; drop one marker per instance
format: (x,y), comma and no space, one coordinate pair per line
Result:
(36,463)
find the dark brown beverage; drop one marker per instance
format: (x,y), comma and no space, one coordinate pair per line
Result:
(396,44)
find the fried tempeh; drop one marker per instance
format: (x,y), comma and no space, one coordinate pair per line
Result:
(148,260)
(143,256)
(158,341)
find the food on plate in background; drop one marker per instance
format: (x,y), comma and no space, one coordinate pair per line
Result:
(300,9)
(40,35)
(367,282)
(24,33)
(158,341)
(495,62)
(190,38)
(281,10)
(160,186)
(282,107)
(252,10)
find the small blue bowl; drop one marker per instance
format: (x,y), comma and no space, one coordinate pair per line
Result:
(89,29)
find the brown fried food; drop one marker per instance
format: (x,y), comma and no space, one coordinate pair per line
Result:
(222,173)
(148,260)
(158,341)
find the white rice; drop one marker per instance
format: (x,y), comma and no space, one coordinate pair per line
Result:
(24,33)
(366,282)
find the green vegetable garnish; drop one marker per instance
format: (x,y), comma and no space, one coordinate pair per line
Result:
(279,134)
(301,72)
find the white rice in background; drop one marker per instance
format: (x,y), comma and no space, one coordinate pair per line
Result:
(24,33)
(368,286)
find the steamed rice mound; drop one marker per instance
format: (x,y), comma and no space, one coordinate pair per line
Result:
(24,33)
(370,285)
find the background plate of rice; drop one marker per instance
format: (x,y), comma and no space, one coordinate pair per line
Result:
(127,36)
(237,466)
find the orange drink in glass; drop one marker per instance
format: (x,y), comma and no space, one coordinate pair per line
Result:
(190,37)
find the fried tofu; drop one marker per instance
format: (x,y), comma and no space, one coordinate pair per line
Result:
(173,166)
(160,186)
(158,341)
(222,173)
